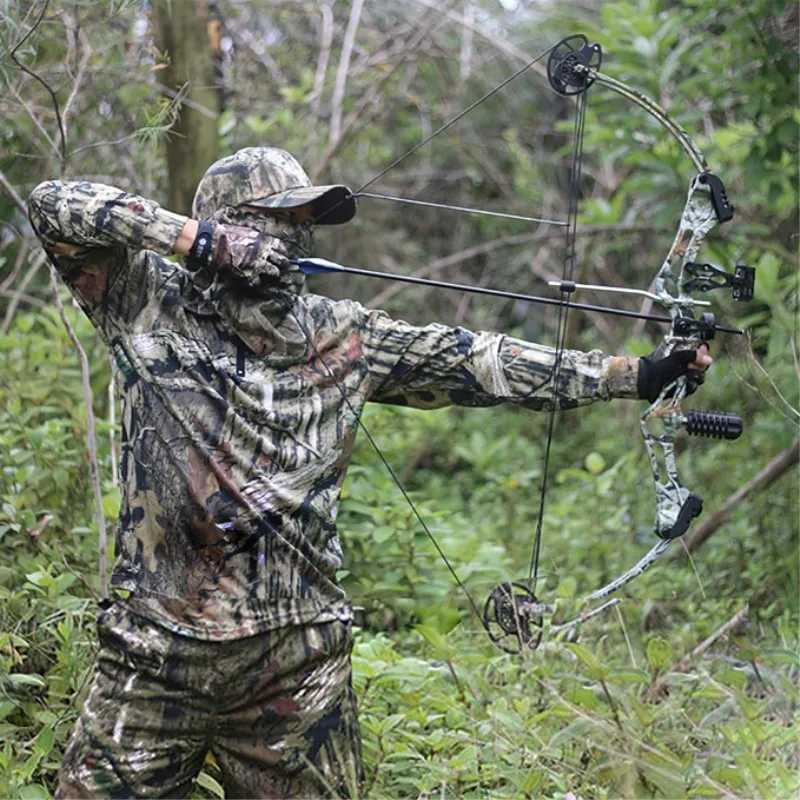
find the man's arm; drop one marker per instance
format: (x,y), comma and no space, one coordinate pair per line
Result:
(436,366)
(97,235)
(94,215)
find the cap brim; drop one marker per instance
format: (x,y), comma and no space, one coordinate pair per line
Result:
(331,205)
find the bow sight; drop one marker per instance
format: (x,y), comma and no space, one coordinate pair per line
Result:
(707,277)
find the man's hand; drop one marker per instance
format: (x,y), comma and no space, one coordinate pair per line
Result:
(252,256)
(248,254)
(655,372)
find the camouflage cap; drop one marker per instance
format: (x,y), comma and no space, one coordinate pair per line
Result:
(269,178)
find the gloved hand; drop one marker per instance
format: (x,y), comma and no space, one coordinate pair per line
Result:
(253,257)
(656,372)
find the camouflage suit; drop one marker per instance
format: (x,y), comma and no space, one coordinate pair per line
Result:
(235,443)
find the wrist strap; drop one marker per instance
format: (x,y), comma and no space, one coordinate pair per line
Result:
(200,251)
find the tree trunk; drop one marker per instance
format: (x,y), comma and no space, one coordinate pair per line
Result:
(181,30)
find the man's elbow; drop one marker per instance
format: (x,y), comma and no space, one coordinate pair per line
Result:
(43,213)
(43,207)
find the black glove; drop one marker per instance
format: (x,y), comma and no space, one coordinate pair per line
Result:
(656,372)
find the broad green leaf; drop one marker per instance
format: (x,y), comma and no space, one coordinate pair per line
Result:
(25,679)
(210,785)
(659,652)
(586,656)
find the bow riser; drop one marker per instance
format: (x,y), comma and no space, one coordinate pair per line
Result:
(676,506)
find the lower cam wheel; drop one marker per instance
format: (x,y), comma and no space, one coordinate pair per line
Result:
(512,618)
(568,61)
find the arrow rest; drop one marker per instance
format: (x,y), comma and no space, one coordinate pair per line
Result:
(569,64)
(703,329)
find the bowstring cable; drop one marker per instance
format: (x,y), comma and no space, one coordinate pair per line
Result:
(452,121)
(561,325)
(570,226)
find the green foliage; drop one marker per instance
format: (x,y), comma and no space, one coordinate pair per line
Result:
(611,710)
(574,720)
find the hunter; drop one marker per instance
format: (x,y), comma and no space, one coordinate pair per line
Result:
(229,632)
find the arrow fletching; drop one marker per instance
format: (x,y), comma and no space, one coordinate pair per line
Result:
(318,266)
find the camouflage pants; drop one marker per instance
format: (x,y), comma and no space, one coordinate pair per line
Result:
(277,711)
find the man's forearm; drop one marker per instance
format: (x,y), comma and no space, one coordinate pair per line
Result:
(73,216)
(433,366)
(186,238)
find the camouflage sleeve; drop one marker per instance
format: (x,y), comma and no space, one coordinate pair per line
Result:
(109,231)
(437,366)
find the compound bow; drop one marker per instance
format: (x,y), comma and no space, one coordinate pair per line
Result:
(512,615)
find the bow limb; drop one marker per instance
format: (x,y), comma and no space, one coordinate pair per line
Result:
(656,111)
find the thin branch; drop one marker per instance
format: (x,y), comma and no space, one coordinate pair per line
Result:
(33,27)
(112,420)
(15,270)
(76,84)
(181,97)
(261,53)
(341,73)
(111,142)
(54,99)
(16,294)
(24,298)
(367,99)
(13,194)
(754,360)
(501,44)
(770,473)
(326,36)
(656,691)
(36,121)
(465,56)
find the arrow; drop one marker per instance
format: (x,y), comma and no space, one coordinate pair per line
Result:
(321,266)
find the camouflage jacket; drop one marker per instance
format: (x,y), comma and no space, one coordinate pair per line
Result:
(235,439)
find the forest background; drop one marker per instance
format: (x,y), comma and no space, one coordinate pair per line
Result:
(689,688)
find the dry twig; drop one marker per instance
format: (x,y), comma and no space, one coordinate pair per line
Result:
(102,545)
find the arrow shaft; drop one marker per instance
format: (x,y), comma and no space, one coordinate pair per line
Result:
(462,287)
